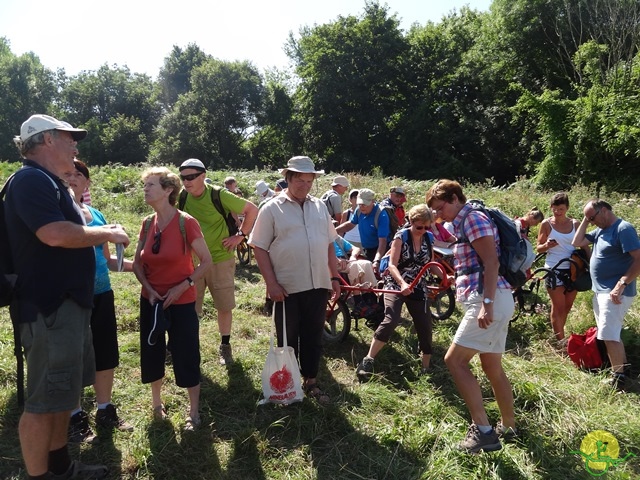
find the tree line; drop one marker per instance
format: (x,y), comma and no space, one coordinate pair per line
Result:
(546,89)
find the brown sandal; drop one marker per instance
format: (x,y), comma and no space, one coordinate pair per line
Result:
(312,390)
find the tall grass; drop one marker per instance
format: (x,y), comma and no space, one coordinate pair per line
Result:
(398,426)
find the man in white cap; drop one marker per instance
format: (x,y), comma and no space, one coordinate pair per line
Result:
(333,198)
(53,257)
(373,223)
(220,279)
(264,192)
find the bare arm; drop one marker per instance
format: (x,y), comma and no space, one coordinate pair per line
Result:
(394,258)
(138,270)
(274,289)
(112,261)
(544,244)
(199,247)
(67,234)
(630,275)
(486,249)
(579,239)
(345,227)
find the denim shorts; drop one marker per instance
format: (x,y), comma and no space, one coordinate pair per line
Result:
(59,355)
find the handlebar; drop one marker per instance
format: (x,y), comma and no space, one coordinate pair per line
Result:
(438,269)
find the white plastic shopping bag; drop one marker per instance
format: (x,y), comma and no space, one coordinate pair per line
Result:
(281,382)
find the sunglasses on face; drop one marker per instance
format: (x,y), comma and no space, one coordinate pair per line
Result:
(420,227)
(155,248)
(190,177)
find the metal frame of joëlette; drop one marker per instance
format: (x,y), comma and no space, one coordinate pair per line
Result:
(434,289)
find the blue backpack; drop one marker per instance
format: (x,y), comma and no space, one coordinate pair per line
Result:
(516,252)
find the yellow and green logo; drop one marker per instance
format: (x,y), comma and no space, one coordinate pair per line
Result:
(600,451)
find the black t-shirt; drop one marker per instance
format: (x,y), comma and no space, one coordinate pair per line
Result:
(46,275)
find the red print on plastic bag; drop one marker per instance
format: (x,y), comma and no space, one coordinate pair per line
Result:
(281,381)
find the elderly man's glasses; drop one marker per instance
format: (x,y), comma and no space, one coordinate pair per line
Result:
(190,177)
(155,248)
(593,217)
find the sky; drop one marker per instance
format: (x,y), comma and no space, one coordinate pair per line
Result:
(84,35)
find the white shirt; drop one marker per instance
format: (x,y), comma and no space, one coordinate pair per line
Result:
(297,239)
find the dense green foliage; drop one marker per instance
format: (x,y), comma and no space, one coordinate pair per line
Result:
(542,88)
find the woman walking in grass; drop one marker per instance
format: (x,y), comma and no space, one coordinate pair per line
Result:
(411,249)
(164,266)
(488,306)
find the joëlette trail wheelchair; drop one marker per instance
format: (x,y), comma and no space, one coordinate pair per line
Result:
(339,315)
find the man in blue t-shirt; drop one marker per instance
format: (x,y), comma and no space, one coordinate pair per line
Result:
(373,225)
(615,264)
(52,252)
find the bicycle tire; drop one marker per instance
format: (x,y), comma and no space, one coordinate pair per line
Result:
(337,323)
(243,252)
(443,306)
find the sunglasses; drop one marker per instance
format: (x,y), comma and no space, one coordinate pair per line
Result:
(155,248)
(592,218)
(419,227)
(190,177)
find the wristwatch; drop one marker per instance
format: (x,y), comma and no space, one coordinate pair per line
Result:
(487,301)
(191,282)
(241,234)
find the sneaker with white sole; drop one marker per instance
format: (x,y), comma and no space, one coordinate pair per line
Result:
(476,441)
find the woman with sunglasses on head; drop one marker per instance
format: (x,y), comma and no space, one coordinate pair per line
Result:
(411,249)
(554,239)
(163,264)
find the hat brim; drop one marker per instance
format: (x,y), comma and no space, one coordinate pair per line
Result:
(76,133)
(360,201)
(283,171)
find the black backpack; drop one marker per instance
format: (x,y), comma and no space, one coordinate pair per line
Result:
(8,279)
(516,252)
(232,226)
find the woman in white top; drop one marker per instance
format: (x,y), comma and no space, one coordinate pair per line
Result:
(554,239)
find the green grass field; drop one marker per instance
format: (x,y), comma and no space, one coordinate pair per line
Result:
(398,426)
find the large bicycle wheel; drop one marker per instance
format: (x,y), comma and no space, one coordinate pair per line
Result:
(243,252)
(443,305)
(337,323)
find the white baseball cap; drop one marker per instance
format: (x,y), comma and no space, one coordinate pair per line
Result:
(39,123)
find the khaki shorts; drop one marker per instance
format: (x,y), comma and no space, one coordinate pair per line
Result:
(220,279)
(60,359)
(485,340)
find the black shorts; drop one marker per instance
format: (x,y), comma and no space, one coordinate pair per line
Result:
(183,329)
(104,329)
(554,281)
